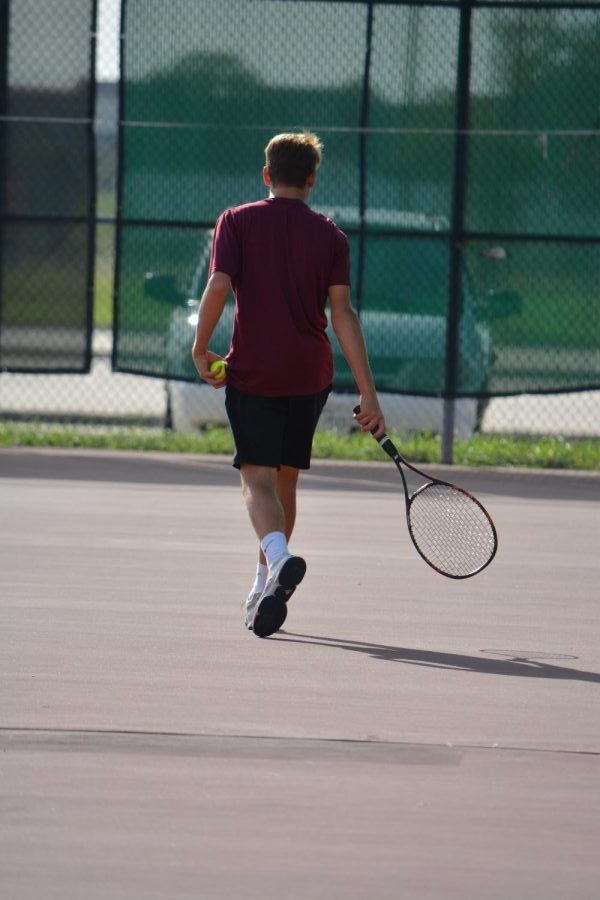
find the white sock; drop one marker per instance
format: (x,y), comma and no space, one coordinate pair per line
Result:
(260,580)
(274,546)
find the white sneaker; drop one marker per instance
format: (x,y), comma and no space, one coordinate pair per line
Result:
(251,604)
(271,610)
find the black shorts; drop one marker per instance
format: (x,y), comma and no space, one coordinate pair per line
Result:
(273,431)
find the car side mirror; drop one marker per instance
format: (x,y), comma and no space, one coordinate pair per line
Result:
(163,288)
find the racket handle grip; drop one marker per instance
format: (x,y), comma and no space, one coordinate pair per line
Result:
(384,441)
(356,411)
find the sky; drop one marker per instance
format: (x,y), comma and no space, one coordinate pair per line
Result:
(107,47)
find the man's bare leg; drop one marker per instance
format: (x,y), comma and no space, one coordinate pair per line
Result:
(259,487)
(271,502)
(287,482)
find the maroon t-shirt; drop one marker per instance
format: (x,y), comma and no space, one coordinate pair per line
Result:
(282,257)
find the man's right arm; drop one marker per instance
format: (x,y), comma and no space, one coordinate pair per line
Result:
(348,331)
(209,313)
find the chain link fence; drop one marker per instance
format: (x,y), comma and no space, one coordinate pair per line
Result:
(48,185)
(98,396)
(485,205)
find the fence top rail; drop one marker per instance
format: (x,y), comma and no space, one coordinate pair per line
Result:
(366,129)
(335,129)
(480,4)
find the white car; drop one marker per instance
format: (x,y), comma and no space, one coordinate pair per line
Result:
(404,348)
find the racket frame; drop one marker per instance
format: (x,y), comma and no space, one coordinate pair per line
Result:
(390,448)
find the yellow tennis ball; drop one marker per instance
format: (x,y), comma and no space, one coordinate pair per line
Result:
(218,368)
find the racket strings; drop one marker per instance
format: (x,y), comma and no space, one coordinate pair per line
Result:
(451,530)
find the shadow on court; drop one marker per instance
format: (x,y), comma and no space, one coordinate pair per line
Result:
(518,666)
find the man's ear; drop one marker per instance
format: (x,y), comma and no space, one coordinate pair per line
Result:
(266,176)
(310,181)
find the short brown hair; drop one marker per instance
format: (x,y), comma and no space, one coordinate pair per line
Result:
(292,157)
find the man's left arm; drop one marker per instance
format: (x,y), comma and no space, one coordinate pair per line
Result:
(348,331)
(210,311)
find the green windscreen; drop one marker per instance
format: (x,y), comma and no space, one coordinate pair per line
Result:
(462,158)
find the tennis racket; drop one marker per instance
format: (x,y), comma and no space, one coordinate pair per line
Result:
(450,529)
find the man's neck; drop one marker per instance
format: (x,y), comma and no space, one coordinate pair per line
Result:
(289,193)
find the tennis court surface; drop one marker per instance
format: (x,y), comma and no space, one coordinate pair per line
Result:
(405,736)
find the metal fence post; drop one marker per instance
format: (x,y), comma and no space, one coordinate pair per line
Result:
(362,159)
(459,192)
(4,14)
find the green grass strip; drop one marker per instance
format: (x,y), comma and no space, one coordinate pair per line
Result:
(481,450)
